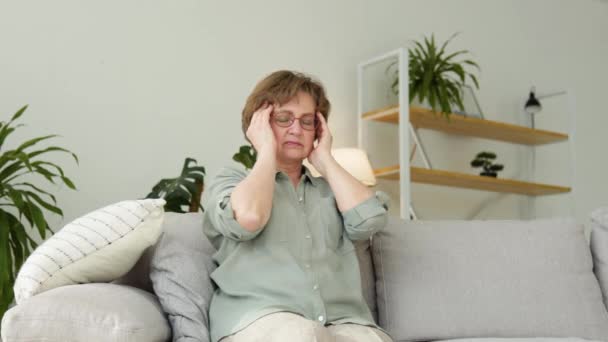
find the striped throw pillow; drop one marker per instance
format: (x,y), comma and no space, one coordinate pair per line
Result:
(98,247)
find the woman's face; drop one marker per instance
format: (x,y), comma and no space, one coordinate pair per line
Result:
(294,143)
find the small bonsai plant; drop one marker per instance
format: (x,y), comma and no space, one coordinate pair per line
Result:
(246,156)
(23,202)
(435,76)
(484,159)
(184,190)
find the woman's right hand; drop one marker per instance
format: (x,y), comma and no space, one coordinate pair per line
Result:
(260,133)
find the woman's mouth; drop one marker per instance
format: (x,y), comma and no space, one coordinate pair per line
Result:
(292,143)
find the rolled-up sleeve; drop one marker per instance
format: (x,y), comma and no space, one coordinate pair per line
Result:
(218,219)
(366,218)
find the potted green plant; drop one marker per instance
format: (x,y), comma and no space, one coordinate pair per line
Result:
(484,160)
(435,76)
(23,203)
(184,190)
(246,156)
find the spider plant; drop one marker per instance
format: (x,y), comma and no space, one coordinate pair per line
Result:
(435,75)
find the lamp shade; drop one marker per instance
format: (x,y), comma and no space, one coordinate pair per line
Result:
(354,161)
(532,106)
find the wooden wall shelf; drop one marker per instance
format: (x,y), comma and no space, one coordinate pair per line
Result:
(468,126)
(468,181)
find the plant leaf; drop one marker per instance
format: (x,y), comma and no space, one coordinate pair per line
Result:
(44,204)
(37,189)
(474,80)
(68,182)
(34,141)
(38,219)
(18,114)
(181,190)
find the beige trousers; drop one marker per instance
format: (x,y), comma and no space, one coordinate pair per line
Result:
(286,326)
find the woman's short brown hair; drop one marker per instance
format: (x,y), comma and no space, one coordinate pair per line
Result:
(280,87)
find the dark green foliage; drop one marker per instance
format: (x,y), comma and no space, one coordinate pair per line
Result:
(435,76)
(484,159)
(246,156)
(20,199)
(182,190)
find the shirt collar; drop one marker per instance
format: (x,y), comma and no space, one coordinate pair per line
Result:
(305,172)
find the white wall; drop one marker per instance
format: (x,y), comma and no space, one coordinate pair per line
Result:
(135,87)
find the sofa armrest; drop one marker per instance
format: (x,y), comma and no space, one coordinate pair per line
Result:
(87,312)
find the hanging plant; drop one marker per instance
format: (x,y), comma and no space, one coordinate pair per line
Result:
(435,76)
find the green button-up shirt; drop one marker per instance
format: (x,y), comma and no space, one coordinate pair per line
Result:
(302,261)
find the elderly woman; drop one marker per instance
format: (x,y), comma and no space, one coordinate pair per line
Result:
(287,270)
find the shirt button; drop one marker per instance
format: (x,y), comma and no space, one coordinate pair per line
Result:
(307,265)
(301,199)
(308,236)
(315,287)
(321,318)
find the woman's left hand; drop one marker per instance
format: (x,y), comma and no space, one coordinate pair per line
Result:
(321,154)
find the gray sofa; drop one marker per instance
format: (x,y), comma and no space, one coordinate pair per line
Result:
(484,281)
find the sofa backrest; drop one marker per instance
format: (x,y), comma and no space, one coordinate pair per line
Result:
(438,280)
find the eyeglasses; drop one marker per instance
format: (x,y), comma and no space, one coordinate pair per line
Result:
(307,121)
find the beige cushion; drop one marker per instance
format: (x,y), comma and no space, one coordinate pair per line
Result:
(97,247)
(439,280)
(87,312)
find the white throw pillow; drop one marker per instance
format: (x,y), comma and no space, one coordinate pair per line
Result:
(98,247)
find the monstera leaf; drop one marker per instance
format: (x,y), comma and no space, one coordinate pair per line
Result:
(184,190)
(246,156)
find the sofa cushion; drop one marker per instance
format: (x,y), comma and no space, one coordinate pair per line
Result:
(87,312)
(97,247)
(458,279)
(179,268)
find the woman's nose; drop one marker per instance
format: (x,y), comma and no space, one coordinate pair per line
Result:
(296,127)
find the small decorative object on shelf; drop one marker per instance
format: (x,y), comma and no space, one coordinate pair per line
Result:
(484,159)
(435,77)
(184,190)
(246,156)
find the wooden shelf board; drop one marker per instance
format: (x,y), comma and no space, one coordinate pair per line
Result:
(468,126)
(468,181)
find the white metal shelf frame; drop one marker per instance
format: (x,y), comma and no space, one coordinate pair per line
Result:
(401,55)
